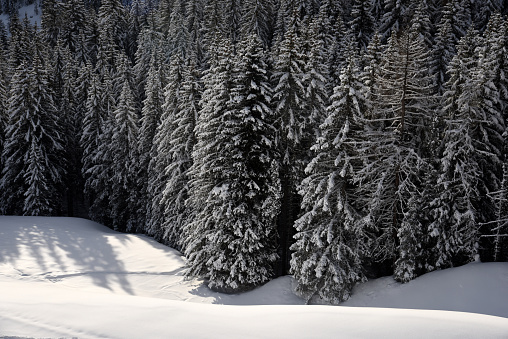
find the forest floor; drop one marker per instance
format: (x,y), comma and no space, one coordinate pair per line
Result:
(73,278)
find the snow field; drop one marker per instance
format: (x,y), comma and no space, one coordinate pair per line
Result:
(66,277)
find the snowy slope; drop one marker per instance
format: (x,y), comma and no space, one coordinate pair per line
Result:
(32,12)
(66,277)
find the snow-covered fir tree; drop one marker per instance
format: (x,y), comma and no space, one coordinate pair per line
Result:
(3,102)
(159,156)
(180,130)
(395,149)
(362,23)
(123,150)
(234,177)
(330,242)
(397,14)
(443,52)
(32,177)
(292,118)
(455,226)
(150,119)
(258,18)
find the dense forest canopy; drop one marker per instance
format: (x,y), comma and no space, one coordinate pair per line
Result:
(336,140)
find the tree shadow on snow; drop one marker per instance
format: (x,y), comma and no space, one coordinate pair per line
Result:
(58,248)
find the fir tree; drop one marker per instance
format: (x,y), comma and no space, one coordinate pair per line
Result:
(95,141)
(150,119)
(123,150)
(421,23)
(327,255)
(444,50)
(372,66)
(257,18)
(243,200)
(207,160)
(181,144)
(455,216)
(362,23)
(396,17)
(161,150)
(3,102)
(291,121)
(395,149)
(500,229)
(489,81)
(482,10)
(316,81)
(32,177)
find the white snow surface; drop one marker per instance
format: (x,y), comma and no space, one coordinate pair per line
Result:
(73,278)
(32,12)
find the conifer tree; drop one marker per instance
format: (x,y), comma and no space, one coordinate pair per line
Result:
(327,255)
(3,102)
(31,181)
(490,82)
(178,35)
(257,18)
(455,216)
(149,46)
(377,10)
(160,152)
(237,220)
(395,151)
(291,121)
(316,81)
(444,50)
(150,120)
(207,160)
(421,23)
(180,146)
(372,66)
(52,21)
(195,23)
(362,23)
(124,160)
(397,14)
(500,229)
(78,24)
(482,10)
(95,141)
(458,13)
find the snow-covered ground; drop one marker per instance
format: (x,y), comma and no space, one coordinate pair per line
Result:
(66,277)
(32,12)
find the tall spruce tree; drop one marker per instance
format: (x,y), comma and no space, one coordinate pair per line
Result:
(258,18)
(396,17)
(123,150)
(180,130)
(150,120)
(160,156)
(3,102)
(330,243)
(207,159)
(444,50)
(395,150)
(362,23)
(455,212)
(32,177)
(234,177)
(291,121)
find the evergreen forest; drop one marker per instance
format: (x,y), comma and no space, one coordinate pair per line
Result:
(334,140)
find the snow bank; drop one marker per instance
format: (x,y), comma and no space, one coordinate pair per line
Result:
(66,277)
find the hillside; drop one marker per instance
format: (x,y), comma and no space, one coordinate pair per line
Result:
(66,277)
